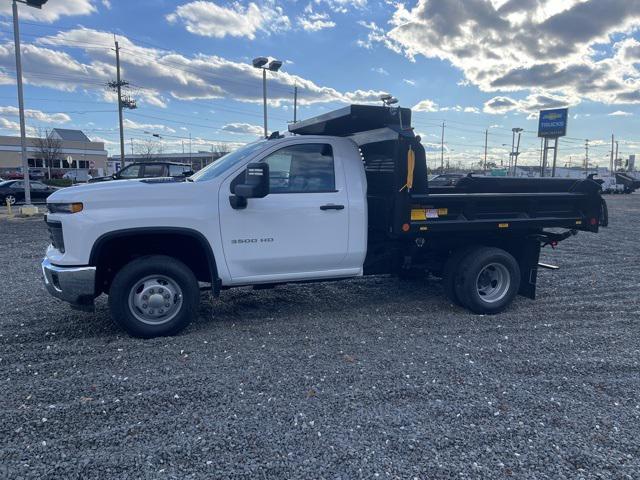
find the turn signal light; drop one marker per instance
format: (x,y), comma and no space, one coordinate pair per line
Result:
(65,207)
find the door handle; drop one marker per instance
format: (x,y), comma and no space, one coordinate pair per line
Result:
(331,206)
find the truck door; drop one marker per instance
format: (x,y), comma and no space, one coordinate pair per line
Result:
(300,229)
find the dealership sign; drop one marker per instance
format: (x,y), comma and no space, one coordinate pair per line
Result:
(553,123)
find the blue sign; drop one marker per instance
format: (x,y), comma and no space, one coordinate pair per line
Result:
(553,123)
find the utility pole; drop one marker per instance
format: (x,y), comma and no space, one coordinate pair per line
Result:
(23,128)
(586,157)
(515,157)
(295,103)
(616,159)
(123,101)
(611,164)
(119,89)
(442,150)
(486,140)
(131,145)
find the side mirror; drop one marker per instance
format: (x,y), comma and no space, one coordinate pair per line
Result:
(256,185)
(256,182)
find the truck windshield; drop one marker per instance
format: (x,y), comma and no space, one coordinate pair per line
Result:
(227,161)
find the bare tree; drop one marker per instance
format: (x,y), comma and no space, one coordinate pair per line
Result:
(148,149)
(219,149)
(49,149)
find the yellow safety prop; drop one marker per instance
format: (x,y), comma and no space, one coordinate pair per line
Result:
(411,165)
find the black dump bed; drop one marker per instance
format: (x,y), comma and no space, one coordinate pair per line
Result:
(401,203)
(482,184)
(629,182)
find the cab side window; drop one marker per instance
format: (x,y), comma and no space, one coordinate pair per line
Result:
(305,168)
(130,172)
(154,170)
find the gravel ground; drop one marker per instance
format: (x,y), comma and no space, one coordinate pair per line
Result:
(369,378)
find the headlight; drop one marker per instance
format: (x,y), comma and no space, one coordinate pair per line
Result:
(64,207)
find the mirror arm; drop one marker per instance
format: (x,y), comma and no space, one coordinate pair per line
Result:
(237,202)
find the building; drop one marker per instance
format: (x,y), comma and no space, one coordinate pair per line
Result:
(196,160)
(62,150)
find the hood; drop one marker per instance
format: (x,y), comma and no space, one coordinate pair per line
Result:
(124,192)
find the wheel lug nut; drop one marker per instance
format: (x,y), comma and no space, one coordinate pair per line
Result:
(161,311)
(145,297)
(167,305)
(144,305)
(160,290)
(152,290)
(151,311)
(167,296)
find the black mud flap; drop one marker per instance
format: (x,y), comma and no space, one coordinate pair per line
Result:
(529,257)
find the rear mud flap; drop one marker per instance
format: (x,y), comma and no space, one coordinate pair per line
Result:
(528,260)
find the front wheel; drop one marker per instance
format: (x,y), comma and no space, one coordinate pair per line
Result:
(8,198)
(154,296)
(487,281)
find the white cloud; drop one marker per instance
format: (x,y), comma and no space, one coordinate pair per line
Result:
(425,106)
(343,6)
(36,115)
(209,19)
(158,75)
(532,104)
(313,22)
(106,4)
(409,82)
(380,70)
(6,124)
(151,127)
(243,129)
(534,45)
(431,106)
(620,113)
(52,11)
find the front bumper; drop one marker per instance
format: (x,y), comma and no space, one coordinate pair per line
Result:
(75,285)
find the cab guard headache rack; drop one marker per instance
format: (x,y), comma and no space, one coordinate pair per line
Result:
(354,119)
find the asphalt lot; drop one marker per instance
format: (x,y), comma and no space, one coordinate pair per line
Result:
(369,378)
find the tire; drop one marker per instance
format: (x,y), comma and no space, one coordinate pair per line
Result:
(12,200)
(154,296)
(487,281)
(450,271)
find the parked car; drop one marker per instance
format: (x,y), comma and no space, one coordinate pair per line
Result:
(149,170)
(34,174)
(13,190)
(77,176)
(445,180)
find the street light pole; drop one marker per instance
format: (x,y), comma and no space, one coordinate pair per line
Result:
(264,99)
(23,134)
(265,64)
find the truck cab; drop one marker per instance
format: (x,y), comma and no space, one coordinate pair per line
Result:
(346,195)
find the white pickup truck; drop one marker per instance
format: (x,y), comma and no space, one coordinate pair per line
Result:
(347,195)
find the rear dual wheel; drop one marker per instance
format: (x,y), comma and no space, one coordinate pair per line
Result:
(483,279)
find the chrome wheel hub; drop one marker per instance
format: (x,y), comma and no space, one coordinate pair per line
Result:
(11,199)
(493,282)
(155,299)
